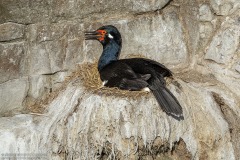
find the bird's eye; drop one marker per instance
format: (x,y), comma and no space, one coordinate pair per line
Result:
(103,32)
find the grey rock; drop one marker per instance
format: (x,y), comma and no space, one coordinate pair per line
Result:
(54,56)
(39,62)
(12,95)
(206,30)
(58,79)
(189,18)
(56,53)
(76,114)
(144,6)
(163,42)
(74,54)
(237,67)
(237,64)
(41,86)
(38,86)
(225,7)
(205,33)
(10,31)
(205,13)
(227,76)
(47,32)
(24,11)
(224,43)
(82,9)
(11,61)
(55,47)
(28,11)
(159,37)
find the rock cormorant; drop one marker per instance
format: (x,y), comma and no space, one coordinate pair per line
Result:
(134,73)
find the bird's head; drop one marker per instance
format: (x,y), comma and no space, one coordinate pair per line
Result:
(105,35)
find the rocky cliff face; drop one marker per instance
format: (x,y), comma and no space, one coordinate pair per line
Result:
(45,107)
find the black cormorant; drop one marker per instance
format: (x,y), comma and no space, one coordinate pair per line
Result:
(134,73)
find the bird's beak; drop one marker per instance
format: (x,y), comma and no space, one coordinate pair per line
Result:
(93,35)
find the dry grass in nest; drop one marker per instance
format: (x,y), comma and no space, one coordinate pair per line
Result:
(91,81)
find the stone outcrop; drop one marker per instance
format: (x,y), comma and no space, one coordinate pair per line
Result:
(47,112)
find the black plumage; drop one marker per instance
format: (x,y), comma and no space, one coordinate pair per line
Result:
(134,73)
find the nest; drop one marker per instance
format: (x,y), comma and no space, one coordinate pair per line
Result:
(91,81)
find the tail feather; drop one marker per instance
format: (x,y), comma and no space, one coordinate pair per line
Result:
(167,101)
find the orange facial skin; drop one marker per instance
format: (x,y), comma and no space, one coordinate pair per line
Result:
(102,34)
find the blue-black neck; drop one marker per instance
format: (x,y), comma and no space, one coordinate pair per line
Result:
(111,52)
